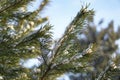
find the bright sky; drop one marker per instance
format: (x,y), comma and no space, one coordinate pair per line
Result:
(61,12)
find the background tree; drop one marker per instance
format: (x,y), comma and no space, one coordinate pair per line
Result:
(82,49)
(103,61)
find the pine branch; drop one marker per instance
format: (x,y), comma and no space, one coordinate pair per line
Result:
(28,37)
(100,77)
(79,19)
(44,56)
(10,6)
(87,51)
(59,44)
(36,12)
(46,72)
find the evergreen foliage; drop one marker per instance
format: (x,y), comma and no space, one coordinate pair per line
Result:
(82,49)
(18,39)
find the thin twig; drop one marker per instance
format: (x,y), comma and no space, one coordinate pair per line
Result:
(76,56)
(103,73)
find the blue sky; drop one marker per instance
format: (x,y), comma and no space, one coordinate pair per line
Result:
(61,12)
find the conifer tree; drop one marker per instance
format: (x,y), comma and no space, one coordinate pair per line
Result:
(100,64)
(19,40)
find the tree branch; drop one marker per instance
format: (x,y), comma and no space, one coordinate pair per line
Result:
(77,20)
(104,72)
(76,56)
(12,5)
